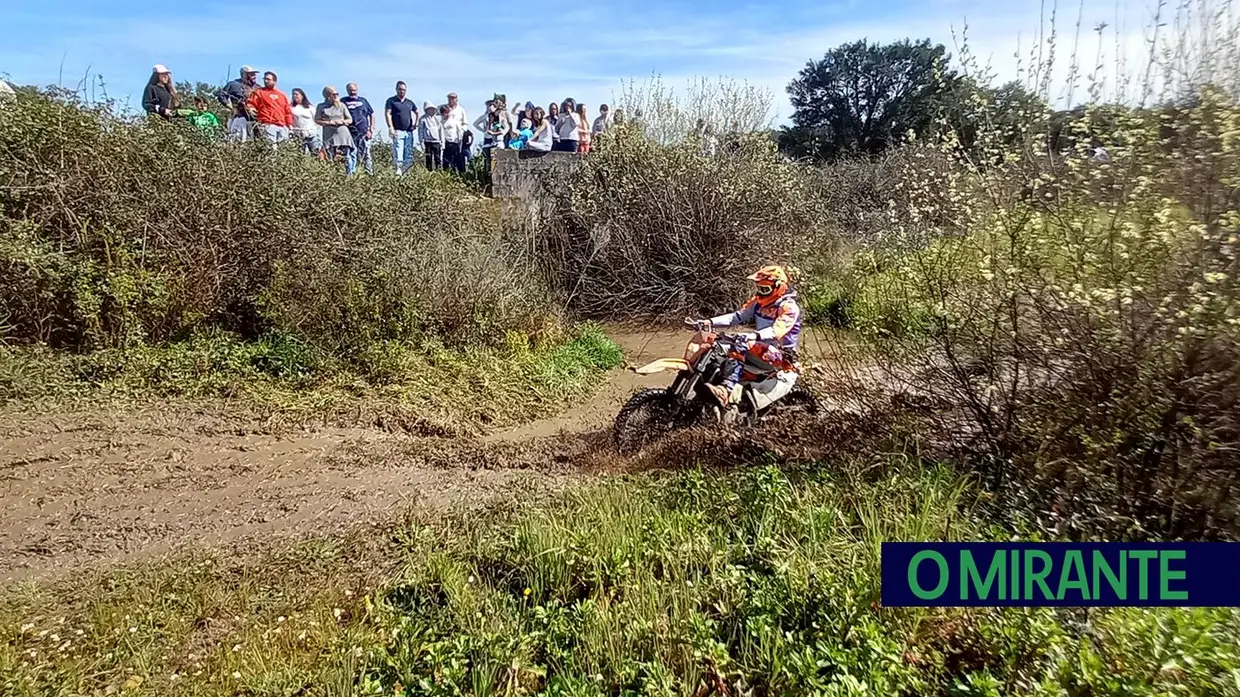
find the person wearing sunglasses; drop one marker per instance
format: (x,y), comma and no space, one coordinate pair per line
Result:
(774,314)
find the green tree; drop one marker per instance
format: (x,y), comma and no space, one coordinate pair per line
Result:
(863,98)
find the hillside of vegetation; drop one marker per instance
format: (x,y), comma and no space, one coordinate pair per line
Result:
(148,258)
(1043,344)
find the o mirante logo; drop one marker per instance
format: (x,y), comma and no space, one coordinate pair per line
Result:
(1097,574)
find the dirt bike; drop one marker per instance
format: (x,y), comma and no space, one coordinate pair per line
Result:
(654,412)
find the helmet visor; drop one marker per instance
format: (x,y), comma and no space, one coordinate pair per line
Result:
(765,288)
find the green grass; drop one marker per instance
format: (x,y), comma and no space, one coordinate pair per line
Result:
(483,385)
(635,586)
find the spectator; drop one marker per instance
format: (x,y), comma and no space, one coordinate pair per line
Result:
(270,108)
(234,95)
(526,112)
(583,130)
(495,126)
(553,115)
(454,127)
(362,127)
(467,148)
(335,118)
(451,133)
(160,96)
(566,127)
(603,120)
(430,131)
(202,117)
(307,132)
(457,111)
(521,137)
(704,133)
(541,140)
(402,115)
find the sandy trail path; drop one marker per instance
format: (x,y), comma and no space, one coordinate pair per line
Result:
(94,488)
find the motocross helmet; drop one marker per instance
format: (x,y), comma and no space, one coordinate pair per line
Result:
(770,283)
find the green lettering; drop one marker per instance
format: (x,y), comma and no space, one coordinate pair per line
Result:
(1101,568)
(1015,584)
(1038,577)
(1166,575)
(1075,565)
(1143,577)
(969,575)
(912,574)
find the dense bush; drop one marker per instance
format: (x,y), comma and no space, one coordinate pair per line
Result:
(666,230)
(875,209)
(1086,329)
(115,234)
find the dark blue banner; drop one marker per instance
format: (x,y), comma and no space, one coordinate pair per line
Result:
(1062,574)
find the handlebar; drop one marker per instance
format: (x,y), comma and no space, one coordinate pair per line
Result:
(706,325)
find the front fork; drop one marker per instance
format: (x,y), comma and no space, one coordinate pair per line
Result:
(690,385)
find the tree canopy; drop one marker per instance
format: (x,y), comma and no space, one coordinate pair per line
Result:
(863,97)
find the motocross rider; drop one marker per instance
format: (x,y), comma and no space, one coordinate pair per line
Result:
(775,315)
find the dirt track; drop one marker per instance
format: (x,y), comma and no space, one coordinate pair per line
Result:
(100,487)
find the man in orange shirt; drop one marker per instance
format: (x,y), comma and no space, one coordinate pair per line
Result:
(270,107)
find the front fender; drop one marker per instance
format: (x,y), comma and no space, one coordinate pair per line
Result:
(661,365)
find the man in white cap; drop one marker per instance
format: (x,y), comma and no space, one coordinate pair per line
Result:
(454,127)
(235,95)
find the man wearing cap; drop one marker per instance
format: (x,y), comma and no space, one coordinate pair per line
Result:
(270,108)
(362,128)
(235,95)
(454,128)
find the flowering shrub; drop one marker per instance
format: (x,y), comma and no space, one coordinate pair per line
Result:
(1086,326)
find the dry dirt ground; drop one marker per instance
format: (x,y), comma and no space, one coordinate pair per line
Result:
(96,487)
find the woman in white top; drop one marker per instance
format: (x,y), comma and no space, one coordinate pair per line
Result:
(567,127)
(308,133)
(541,140)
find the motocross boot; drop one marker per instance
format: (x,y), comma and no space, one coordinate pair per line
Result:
(728,412)
(721,393)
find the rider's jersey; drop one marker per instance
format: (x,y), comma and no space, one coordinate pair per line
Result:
(778,323)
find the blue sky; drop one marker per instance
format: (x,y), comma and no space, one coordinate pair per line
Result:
(551,50)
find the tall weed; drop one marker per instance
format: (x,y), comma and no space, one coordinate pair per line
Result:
(1083,323)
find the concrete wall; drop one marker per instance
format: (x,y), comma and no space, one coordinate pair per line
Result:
(518,173)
